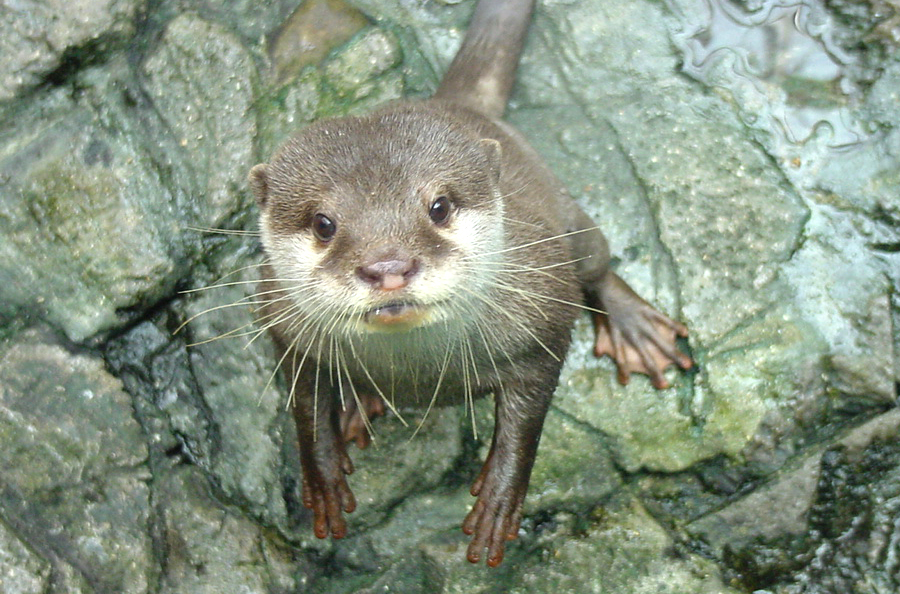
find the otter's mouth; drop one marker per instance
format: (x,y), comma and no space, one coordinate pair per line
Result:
(396,316)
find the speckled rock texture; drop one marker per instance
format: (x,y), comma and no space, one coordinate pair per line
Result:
(743,157)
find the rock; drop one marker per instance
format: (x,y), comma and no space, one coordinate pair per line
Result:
(849,534)
(398,465)
(634,552)
(352,69)
(21,570)
(311,32)
(74,485)
(287,109)
(617,549)
(91,234)
(573,469)
(780,509)
(207,393)
(353,79)
(38,37)
(203,81)
(253,22)
(210,549)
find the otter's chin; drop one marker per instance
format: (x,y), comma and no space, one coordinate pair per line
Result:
(397,316)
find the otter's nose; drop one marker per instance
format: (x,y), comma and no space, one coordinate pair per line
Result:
(389,274)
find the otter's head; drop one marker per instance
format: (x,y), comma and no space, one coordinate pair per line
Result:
(383,223)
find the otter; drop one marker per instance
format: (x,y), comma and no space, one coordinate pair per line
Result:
(424,254)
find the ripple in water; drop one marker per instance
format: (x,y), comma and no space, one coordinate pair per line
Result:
(779,61)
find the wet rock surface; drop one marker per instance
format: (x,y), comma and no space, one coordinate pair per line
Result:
(848,541)
(43,39)
(742,158)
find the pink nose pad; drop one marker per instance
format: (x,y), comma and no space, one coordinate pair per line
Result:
(389,275)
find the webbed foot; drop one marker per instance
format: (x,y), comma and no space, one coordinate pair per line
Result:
(639,338)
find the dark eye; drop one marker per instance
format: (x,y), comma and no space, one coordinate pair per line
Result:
(323,228)
(440,210)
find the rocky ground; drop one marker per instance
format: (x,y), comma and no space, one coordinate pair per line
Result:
(743,158)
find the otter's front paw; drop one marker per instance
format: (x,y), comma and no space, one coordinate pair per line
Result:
(639,338)
(326,493)
(495,517)
(645,345)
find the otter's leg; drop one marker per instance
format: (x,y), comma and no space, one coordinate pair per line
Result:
(323,456)
(503,481)
(638,337)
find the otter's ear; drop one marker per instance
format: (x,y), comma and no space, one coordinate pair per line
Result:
(494,155)
(259,183)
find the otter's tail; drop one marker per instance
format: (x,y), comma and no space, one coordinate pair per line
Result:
(482,73)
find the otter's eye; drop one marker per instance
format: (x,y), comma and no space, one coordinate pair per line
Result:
(323,228)
(440,210)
